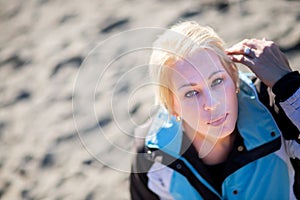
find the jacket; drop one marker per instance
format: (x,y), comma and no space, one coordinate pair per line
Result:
(259,166)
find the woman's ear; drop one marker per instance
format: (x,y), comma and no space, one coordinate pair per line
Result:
(175,107)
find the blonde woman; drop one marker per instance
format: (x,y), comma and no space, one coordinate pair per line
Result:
(215,136)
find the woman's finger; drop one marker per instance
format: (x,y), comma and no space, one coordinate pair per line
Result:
(249,52)
(241,46)
(249,62)
(237,48)
(234,50)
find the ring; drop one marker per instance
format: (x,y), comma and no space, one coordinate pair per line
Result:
(247,51)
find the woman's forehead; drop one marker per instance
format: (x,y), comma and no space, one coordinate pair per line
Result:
(201,63)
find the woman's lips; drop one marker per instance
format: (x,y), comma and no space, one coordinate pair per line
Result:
(218,121)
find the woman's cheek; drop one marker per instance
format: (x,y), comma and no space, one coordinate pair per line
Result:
(191,113)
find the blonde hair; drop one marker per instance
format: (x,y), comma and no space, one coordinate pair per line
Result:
(177,43)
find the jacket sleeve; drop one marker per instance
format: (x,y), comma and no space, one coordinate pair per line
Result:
(293,149)
(139,189)
(138,181)
(287,91)
(278,103)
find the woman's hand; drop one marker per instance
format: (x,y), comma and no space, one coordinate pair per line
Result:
(262,57)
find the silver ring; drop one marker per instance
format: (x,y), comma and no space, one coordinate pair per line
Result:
(247,51)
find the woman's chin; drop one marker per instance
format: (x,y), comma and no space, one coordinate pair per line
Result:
(211,132)
(220,132)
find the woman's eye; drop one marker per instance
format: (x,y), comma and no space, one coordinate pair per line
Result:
(191,93)
(217,82)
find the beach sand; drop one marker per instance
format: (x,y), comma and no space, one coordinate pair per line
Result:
(74,84)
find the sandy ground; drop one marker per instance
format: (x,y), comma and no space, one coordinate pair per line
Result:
(74,84)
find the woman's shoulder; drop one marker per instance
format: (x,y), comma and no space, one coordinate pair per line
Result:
(161,131)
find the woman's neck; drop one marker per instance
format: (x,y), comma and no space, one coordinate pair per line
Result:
(211,150)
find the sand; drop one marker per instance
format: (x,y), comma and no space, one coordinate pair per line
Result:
(74,84)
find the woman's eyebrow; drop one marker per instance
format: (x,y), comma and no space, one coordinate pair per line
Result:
(194,84)
(212,74)
(187,84)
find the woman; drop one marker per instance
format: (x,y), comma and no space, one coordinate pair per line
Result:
(214,138)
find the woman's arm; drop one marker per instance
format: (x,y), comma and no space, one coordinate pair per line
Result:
(271,66)
(139,189)
(287,91)
(138,180)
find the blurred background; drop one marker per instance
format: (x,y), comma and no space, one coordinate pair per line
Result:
(74,84)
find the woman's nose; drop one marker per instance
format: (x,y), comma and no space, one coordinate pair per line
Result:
(211,102)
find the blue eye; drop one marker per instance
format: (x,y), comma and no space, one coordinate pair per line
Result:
(217,81)
(191,93)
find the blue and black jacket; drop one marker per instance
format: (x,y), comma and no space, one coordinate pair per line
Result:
(260,166)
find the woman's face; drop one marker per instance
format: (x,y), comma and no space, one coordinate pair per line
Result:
(204,95)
